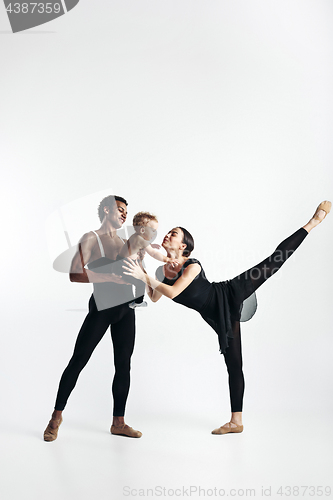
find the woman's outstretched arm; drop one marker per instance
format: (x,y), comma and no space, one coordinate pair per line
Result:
(153,294)
(171,292)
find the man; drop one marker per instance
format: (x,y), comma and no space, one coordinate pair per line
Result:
(108,306)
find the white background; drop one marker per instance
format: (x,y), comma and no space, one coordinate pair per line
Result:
(216,116)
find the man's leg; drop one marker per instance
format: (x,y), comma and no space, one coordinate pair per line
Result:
(123,337)
(91,332)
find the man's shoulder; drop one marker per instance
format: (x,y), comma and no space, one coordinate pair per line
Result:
(90,236)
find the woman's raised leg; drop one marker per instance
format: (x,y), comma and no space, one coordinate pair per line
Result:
(261,272)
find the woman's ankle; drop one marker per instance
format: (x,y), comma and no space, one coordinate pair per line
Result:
(318,217)
(310,225)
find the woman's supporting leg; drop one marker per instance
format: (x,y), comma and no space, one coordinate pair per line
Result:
(234,362)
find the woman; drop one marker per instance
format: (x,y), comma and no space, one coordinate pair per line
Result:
(220,304)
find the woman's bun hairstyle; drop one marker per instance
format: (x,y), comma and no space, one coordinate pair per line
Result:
(188,240)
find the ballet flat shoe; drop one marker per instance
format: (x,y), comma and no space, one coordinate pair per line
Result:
(125,430)
(51,434)
(326,206)
(227,430)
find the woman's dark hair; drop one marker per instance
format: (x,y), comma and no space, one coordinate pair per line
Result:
(188,240)
(108,201)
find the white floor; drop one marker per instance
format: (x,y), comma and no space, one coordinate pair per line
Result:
(178,395)
(174,453)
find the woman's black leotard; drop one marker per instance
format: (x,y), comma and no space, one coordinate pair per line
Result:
(220,305)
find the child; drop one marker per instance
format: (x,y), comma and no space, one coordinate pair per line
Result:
(145,225)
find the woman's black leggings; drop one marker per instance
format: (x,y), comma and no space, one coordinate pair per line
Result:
(121,320)
(258,275)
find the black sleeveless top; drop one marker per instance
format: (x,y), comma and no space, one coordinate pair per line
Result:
(219,303)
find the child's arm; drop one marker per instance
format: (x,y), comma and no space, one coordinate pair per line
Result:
(158,255)
(133,245)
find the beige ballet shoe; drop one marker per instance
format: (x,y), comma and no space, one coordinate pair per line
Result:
(326,207)
(51,434)
(125,430)
(228,429)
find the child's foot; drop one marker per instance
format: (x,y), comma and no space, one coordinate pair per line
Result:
(322,210)
(135,305)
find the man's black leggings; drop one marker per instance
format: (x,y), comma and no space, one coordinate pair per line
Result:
(258,275)
(121,320)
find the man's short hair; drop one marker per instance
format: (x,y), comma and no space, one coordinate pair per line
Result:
(142,218)
(108,201)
